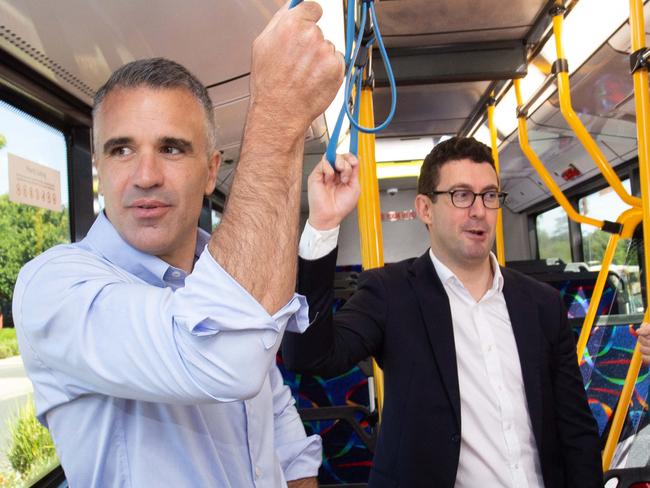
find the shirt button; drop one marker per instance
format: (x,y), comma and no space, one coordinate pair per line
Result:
(258,472)
(455,438)
(176,274)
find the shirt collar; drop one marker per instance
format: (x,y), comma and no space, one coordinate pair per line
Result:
(104,239)
(447,276)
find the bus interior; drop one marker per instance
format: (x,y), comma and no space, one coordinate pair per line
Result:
(483,68)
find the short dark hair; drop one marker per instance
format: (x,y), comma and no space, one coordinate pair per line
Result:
(160,73)
(452,149)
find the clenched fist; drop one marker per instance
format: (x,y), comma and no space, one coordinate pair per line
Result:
(295,71)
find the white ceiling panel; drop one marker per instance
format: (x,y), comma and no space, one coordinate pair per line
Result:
(88,39)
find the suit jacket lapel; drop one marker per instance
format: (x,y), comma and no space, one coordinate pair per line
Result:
(434,306)
(527,332)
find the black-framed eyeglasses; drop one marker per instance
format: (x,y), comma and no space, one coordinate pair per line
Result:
(463,198)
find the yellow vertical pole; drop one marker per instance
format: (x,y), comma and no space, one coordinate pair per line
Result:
(369,211)
(642,102)
(594,302)
(501,253)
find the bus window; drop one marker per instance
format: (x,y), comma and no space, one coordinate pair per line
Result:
(216,218)
(605,204)
(34,216)
(553,235)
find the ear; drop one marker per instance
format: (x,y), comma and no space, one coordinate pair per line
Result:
(423,209)
(213,169)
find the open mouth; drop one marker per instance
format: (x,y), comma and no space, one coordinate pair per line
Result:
(476,232)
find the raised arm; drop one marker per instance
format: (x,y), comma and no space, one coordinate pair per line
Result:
(295,75)
(331,345)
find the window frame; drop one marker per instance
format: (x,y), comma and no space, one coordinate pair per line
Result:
(37,96)
(627,170)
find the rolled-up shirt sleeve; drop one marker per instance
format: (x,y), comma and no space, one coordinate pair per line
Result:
(86,326)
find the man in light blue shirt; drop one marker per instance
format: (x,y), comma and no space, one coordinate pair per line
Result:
(151,344)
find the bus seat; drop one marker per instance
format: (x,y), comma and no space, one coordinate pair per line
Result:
(338,409)
(628,478)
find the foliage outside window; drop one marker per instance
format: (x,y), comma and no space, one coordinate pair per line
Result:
(26,449)
(553,235)
(606,205)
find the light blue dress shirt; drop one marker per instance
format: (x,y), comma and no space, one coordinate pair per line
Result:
(147,376)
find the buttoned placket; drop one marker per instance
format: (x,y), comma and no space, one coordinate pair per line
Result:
(492,362)
(496,378)
(251,426)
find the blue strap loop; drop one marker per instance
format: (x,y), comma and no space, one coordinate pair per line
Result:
(356,64)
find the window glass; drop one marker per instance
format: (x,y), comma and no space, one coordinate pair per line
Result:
(553,235)
(606,205)
(32,149)
(216,219)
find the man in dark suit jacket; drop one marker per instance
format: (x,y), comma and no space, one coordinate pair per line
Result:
(482,386)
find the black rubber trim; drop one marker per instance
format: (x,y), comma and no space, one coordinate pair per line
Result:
(560,66)
(611,227)
(556,10)
(639,60)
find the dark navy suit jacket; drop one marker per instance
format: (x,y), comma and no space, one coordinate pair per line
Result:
(400,315)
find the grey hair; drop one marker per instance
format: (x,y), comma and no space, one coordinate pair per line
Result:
(160,73)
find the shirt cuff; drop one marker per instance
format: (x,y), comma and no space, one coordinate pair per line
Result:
(302,458)
(212,301)
(315,244)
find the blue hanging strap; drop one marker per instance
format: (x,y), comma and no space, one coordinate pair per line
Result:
(354,133)
(356,56)
(389,73)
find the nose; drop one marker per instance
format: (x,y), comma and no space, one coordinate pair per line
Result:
(148,172)
(478,209)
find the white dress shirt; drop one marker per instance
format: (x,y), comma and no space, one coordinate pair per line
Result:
(497,443)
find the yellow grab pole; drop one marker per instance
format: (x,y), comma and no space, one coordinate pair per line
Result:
(623,404)
(594,301)
(543,173)
(629,219)
(369,212)
(576,217)
(501,253)
(642,101)
(563,88)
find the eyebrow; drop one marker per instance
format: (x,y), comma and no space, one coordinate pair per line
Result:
(465,186)
(178,142)
(116,142)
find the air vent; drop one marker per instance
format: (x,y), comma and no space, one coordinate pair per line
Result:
(42,59)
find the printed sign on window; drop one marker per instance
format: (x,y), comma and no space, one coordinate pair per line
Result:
(34,184)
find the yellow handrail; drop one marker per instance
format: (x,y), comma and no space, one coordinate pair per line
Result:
(642,102)
(501,253)
(623,403)
(541,170)
(629,220)
(574,122)
(368,212)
